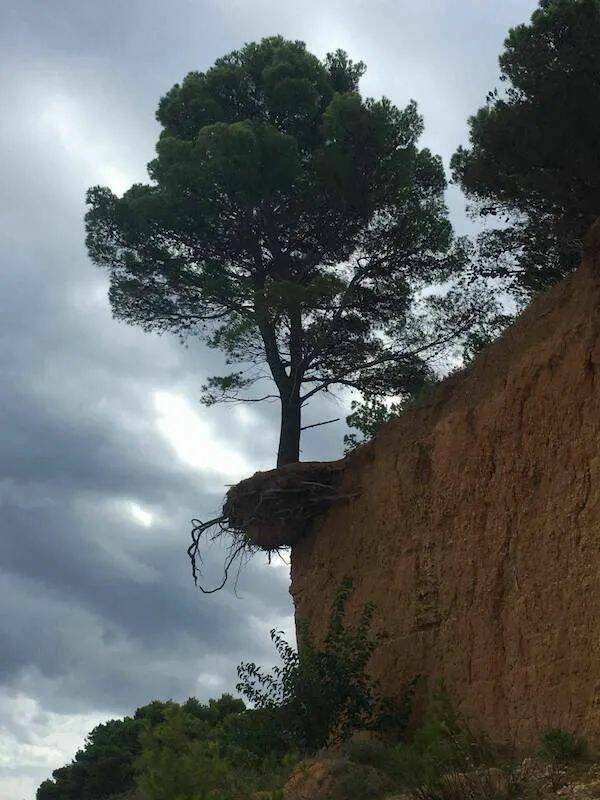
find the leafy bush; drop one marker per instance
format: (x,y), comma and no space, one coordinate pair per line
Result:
(559,745)
(442,760)
(320,695)
(190,757)
(225,751)
(367,417)
(445,742)
(373,752)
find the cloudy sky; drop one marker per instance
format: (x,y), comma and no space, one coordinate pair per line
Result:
(105,453)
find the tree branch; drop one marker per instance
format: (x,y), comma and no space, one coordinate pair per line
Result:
(318,424)
(339,377)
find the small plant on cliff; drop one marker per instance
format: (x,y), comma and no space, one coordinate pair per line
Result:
(321,694)
(367,417)
(559,745)
(370,414)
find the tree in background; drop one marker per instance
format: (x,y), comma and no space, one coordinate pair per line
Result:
(107,765)
(104,766)
(178,760)
(289,222)
(533,158)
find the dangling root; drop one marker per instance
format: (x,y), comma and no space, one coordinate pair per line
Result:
(268,512)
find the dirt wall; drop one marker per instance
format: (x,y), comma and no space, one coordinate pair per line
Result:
(477,529)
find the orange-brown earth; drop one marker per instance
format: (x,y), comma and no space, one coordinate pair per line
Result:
(476,529)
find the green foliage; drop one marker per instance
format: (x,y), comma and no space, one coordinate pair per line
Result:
(533,157)
(200,752)
(105,766)
(367,417)
(444,742)
(442,760)
(288,221)
(178,761)
(483,333)
(368,414)
(559,745)
(224,751)
(320,695)
(353,780)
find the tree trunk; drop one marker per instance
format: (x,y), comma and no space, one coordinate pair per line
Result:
(289,436)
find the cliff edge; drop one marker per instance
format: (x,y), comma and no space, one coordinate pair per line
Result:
(474,525)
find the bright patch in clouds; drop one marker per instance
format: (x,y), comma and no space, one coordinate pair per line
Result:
(246,417)
(207,680)
(65,117)
(194,440)
(140,515)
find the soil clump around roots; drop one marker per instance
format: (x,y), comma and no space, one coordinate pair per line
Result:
(269,511)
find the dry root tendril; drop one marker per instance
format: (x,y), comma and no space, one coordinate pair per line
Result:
(269,512)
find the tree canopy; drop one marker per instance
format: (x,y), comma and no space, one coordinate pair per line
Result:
(288,222)
(105,764)
(120,752)
(533,159)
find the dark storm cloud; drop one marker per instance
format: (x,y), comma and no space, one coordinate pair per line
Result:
(101,430)
(80,445)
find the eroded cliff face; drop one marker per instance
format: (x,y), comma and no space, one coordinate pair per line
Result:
(476,529)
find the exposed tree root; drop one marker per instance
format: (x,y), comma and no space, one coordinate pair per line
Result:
(269,511)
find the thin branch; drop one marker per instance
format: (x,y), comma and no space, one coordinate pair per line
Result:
(318,424)
(319,345)
(339,378)
(229,399)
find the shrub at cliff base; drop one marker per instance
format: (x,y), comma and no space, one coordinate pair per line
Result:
(319,696)
(442,760)
(225,751)
(561,746)
(319,730)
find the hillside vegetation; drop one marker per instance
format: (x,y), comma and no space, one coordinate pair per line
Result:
(319,729)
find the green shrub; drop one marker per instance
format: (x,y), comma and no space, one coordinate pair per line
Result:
(445,742)
(192,756)
(442,760)
(371,752)
(361,782)
(320,695)
(559,745)
(367,416)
